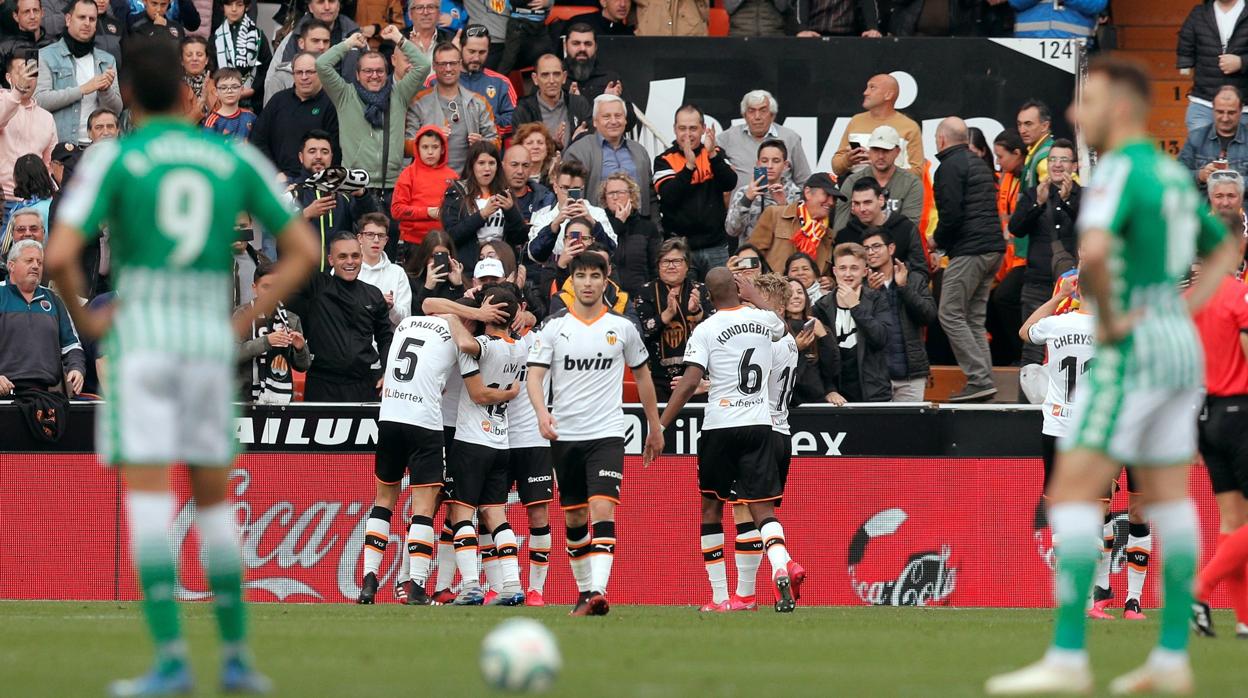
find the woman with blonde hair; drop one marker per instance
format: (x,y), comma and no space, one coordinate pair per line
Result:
(543,150)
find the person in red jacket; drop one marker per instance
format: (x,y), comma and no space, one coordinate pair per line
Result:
(418,193)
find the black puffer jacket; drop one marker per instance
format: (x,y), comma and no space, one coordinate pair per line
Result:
(966,201)
(1199,48)
(637,254)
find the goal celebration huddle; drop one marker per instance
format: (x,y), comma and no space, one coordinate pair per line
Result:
(474,404)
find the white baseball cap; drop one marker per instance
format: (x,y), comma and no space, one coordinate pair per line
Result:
(884,137)
(488,267)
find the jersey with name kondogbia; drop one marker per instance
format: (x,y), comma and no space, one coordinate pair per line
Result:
(733,347)
(170,194)
(1069,338)
(498,366)
(422,355)
(522,429)
(781,380)
(586,358)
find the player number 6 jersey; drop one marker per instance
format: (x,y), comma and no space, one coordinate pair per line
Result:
(733,347)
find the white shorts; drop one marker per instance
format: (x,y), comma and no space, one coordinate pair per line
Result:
(1142,427)
(163,409)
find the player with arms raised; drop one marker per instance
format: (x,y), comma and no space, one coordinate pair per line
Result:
(169,194)
(584,349)
(735,457)
(1140,226)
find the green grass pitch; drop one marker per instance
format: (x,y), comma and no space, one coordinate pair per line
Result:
(74,649)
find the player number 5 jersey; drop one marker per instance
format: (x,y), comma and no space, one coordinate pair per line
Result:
(733,347)
(586,360)
(422,355)
(499,365)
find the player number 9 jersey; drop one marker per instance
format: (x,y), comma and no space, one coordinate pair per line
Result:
(733,347)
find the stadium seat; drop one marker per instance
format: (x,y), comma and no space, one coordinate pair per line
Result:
(562,12)
(520,80)
(630,387)
(947,380)
(717,22)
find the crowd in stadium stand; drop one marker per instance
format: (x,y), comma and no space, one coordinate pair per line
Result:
(427,170)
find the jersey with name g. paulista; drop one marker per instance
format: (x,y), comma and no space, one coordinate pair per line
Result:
(499,366)
(586,360)
(733,347)
(170,194)
(1157,223)
(422,355)
(1069,340)
(522,429)
(781,380)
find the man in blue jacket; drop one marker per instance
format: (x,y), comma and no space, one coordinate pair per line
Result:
(75,77)
(1050,19)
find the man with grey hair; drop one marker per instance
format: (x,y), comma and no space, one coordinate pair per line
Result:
(608,151)
(969,233)
(740,141)
(1226,198)
(39,347)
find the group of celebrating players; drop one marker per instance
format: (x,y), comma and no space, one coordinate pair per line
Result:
(468,410)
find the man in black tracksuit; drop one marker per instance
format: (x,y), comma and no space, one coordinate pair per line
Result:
(344,319)
(969,233)
(691,179)
(1046,215)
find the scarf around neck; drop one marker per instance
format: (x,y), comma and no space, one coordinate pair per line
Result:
(238,46)
(810,232)
(375,103)
(77,48)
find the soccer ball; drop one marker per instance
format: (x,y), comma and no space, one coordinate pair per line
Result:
(520,655)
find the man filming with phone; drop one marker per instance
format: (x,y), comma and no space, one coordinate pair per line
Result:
(25,127)
(771,185)
(548,225)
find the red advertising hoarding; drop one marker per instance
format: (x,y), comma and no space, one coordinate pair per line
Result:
(912,531)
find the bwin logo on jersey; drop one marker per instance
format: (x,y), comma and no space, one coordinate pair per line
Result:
(597,363)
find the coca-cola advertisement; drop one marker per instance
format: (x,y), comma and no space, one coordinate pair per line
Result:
(870,531)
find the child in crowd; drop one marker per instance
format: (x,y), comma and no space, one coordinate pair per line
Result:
(238,43)
(230,119)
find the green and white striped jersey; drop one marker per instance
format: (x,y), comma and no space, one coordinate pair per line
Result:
(170,194)
(1158,223)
